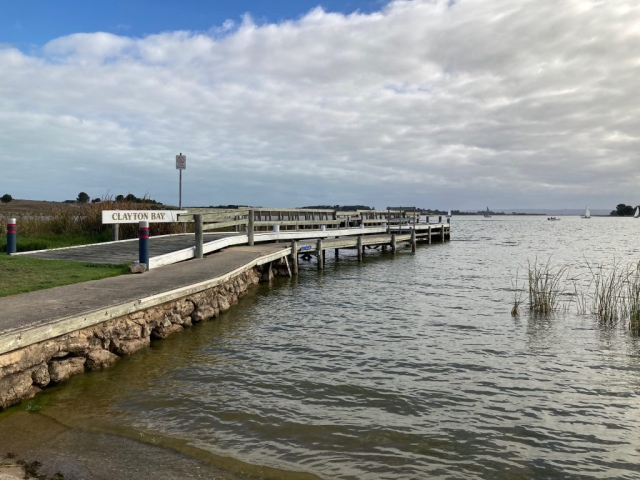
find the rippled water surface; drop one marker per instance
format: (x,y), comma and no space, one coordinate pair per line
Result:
(405,367)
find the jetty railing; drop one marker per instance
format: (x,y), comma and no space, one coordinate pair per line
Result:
(252,221)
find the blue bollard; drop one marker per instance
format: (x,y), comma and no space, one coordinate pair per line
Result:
(12,234)
(143,248)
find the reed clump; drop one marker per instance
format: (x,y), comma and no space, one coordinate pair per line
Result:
(78,224)
(608,291)
(546,286)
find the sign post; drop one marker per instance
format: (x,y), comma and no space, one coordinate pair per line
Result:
(181,164)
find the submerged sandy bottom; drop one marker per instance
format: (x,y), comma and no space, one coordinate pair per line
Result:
(79,454)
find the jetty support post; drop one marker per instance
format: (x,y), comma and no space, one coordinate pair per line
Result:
(393,243)
(337,253)
(440,219)
(250,229)
(199,235)
(320,255)
(143,243)
(413,240)
(360,249)
(115,232)
(429,234)
(427,221)
(12,236)
(294,256)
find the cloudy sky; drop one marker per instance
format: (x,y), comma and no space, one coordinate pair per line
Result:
(452,103)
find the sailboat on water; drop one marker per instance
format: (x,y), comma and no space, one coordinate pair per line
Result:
(487,214)
(637,214)
(587,213)
(449,214)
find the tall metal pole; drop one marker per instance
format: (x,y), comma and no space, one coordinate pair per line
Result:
(180,204)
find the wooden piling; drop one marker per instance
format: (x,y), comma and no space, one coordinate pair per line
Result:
(294,256)
(337,253)
(393,243)
(320,255)
(360,248)
(250,227)
(413,241)
(199,236)
(429,234)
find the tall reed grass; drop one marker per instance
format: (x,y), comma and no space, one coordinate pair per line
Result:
(546,286)
(81,224)
(608,291)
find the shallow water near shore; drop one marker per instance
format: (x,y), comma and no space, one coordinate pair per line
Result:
(405,367)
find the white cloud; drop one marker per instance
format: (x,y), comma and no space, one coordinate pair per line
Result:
(529,103)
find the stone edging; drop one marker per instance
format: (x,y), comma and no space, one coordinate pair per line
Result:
(26,370)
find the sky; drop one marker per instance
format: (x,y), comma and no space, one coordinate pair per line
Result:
(458,104)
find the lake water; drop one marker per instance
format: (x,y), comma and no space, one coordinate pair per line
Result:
(405,367)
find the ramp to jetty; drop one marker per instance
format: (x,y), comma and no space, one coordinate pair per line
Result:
(36,316)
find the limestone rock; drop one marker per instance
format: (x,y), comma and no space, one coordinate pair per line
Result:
(138,268)
(185,308)
(163,332)
(40,375)
(97,359)
(127,347)
(15,388)
(203,313)
(61,370)
(224,304)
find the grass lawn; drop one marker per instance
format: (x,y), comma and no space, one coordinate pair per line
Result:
(20,274)
(47,241)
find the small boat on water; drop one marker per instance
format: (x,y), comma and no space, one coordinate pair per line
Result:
(637,214)
(554,219)
(449,214)
(487,214)
(587,213)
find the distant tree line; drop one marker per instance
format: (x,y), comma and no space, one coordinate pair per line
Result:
(83,197)
(623,210)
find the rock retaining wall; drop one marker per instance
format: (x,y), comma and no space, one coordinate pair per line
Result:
(24,372)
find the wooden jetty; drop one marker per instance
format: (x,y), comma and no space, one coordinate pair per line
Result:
(313,231)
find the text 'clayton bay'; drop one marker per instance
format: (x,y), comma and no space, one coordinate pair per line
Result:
(135,216)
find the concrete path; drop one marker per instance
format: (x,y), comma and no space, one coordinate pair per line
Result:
(116,253)
(100,297)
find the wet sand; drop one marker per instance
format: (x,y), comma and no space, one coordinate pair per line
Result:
(81,454)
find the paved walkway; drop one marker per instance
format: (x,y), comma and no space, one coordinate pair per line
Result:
(35,309)
(116,253)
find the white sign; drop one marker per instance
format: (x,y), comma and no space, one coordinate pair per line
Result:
(181,162)
(135,216)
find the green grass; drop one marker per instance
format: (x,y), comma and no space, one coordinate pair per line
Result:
(47,241)
(20,274)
